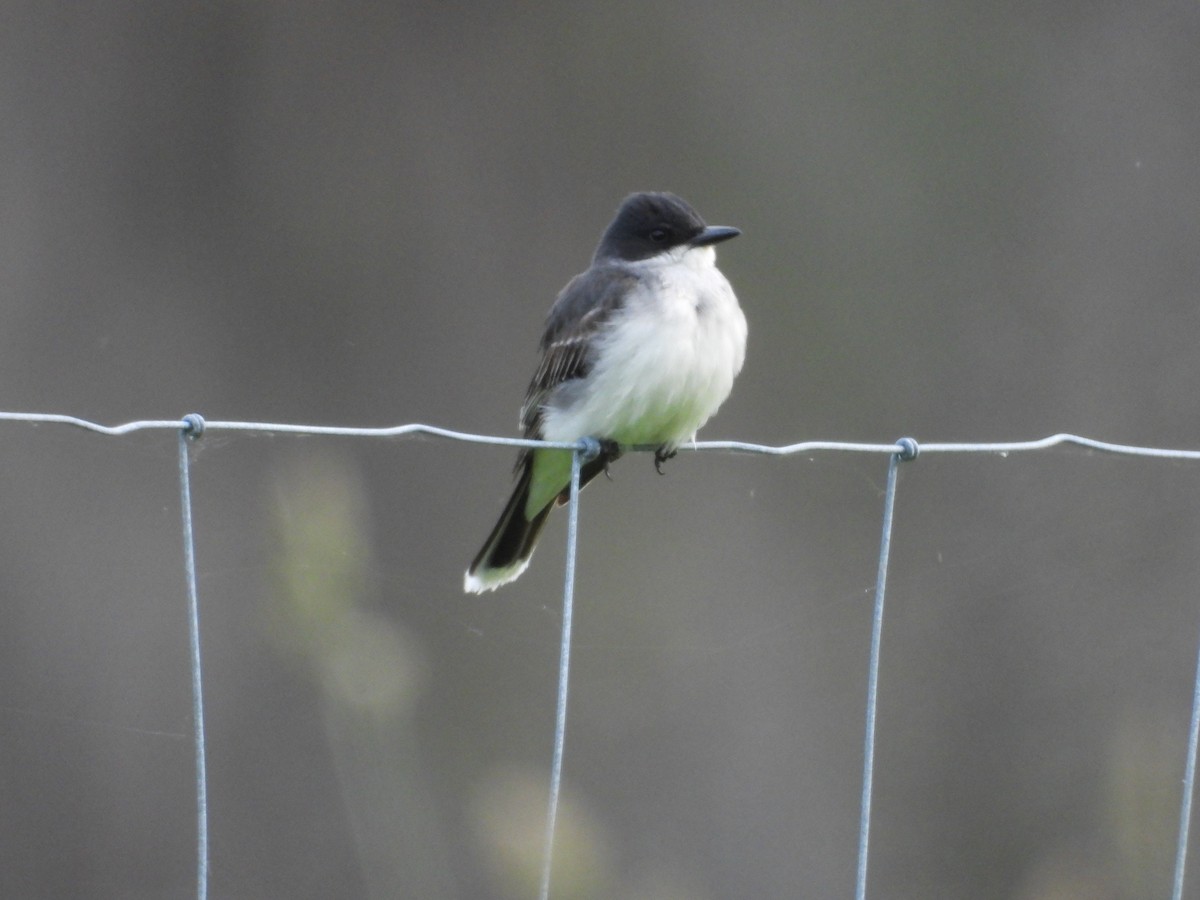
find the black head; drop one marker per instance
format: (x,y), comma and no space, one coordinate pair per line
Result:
(652,223)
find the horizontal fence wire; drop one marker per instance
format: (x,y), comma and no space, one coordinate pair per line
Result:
(193,426)
(191,422)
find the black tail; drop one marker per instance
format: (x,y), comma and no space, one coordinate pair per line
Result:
(507,550)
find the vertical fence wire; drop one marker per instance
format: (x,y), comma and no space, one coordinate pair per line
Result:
(564,671)
(1189,787)
(192,428)
(908,451)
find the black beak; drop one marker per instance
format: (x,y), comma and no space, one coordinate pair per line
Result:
(714,234)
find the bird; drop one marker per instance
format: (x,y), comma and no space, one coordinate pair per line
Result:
(640,349)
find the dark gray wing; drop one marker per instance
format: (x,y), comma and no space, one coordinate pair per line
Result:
(581,310)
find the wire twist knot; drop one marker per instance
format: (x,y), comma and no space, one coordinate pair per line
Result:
(193,425)
(589,448)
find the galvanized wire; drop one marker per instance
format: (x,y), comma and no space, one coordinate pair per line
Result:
(192,426)
(885,546)
(564,666)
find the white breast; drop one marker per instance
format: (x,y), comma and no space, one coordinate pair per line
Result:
(666,362)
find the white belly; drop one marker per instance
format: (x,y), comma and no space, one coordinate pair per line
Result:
(664,366)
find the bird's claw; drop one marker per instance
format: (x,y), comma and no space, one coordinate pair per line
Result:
(609,450)
(660,457)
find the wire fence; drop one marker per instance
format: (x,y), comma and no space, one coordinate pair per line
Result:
(193,427)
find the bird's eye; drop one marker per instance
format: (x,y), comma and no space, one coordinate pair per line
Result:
(658,235)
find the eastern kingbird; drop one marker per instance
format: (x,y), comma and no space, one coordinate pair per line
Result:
(640,349)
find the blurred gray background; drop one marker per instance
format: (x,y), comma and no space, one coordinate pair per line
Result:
(961,222)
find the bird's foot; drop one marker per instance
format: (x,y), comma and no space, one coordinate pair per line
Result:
(609,451)
(661,455)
